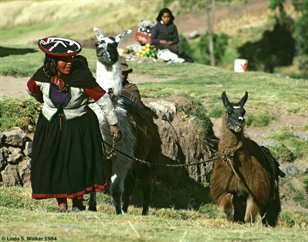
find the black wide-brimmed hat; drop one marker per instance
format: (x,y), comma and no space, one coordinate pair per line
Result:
(61,47)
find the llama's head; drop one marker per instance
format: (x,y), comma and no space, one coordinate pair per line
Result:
(106,47)
(234,112)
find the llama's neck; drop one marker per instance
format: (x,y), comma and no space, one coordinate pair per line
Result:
(230,140)
(109,76)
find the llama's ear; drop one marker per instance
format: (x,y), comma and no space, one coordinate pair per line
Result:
(122,35)
(98,34)
(244,99)
(225,100)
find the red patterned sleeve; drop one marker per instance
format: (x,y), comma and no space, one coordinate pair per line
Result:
(96,93)
(34,90)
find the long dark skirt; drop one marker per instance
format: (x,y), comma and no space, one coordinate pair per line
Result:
(67,163)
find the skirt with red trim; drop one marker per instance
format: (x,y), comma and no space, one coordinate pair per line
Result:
(67,157)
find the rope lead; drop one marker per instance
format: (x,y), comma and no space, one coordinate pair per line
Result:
(110,153)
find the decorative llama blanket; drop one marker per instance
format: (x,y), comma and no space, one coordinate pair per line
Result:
(130,94)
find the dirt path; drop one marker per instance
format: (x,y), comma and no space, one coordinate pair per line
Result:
(13,87)
(16,87)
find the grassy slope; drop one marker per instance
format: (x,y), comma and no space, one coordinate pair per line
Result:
(31,20)
(198,81)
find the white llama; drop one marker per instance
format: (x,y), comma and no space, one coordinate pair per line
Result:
(140,137)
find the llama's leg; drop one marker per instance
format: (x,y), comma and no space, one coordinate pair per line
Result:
(239,204)
(146,176)
(271,212)
(226,204)
(252,210)
(116,191)
(129,186)
(92,202)
(147,193)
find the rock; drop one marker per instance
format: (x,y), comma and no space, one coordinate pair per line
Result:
(14,138)
(23,169)
(167,117)
(192,35)
(5,152)
(10,176)
(290,170)
(3,162)
(267,142)
(163,106)
(28,148)
(2,138)
(304,170)
(181,143)
(302,135)
(15,155)
(134,48)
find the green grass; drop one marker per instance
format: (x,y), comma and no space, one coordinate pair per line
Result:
(27,21)
(290,147)
(206,83)
(295,188)
(22,216)
(18,113)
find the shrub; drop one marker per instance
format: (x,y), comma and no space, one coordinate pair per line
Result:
(18,113)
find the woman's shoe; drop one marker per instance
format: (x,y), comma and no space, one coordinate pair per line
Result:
(78,205)
(63,210)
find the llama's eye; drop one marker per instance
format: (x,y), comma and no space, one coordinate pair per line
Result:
(229,112)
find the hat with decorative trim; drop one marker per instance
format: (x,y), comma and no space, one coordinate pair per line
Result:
(60,47)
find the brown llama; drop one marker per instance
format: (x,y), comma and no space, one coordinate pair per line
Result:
(244,182)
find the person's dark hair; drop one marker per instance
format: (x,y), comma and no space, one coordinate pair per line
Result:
(165,10)
(50,64)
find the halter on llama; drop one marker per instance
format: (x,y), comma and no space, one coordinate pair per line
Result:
(245,184)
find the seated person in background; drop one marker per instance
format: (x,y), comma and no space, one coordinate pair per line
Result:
(130,93)
(164,34)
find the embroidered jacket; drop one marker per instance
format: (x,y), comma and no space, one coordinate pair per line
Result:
(74,105)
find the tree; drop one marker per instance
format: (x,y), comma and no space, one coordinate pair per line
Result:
(298,28)
(275,48)
(301,35)
(209,11)
(220,43)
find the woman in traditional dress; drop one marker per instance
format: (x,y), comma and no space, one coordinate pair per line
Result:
(67,156)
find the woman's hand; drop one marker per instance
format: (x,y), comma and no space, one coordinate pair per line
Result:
(114,131)
(165,42)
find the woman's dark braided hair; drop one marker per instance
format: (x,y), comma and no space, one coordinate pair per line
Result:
(50,64)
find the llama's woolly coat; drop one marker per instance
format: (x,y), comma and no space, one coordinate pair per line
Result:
(140,137)
(244,181)
(249,163)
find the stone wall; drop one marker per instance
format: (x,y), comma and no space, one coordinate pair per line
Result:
(15,150)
